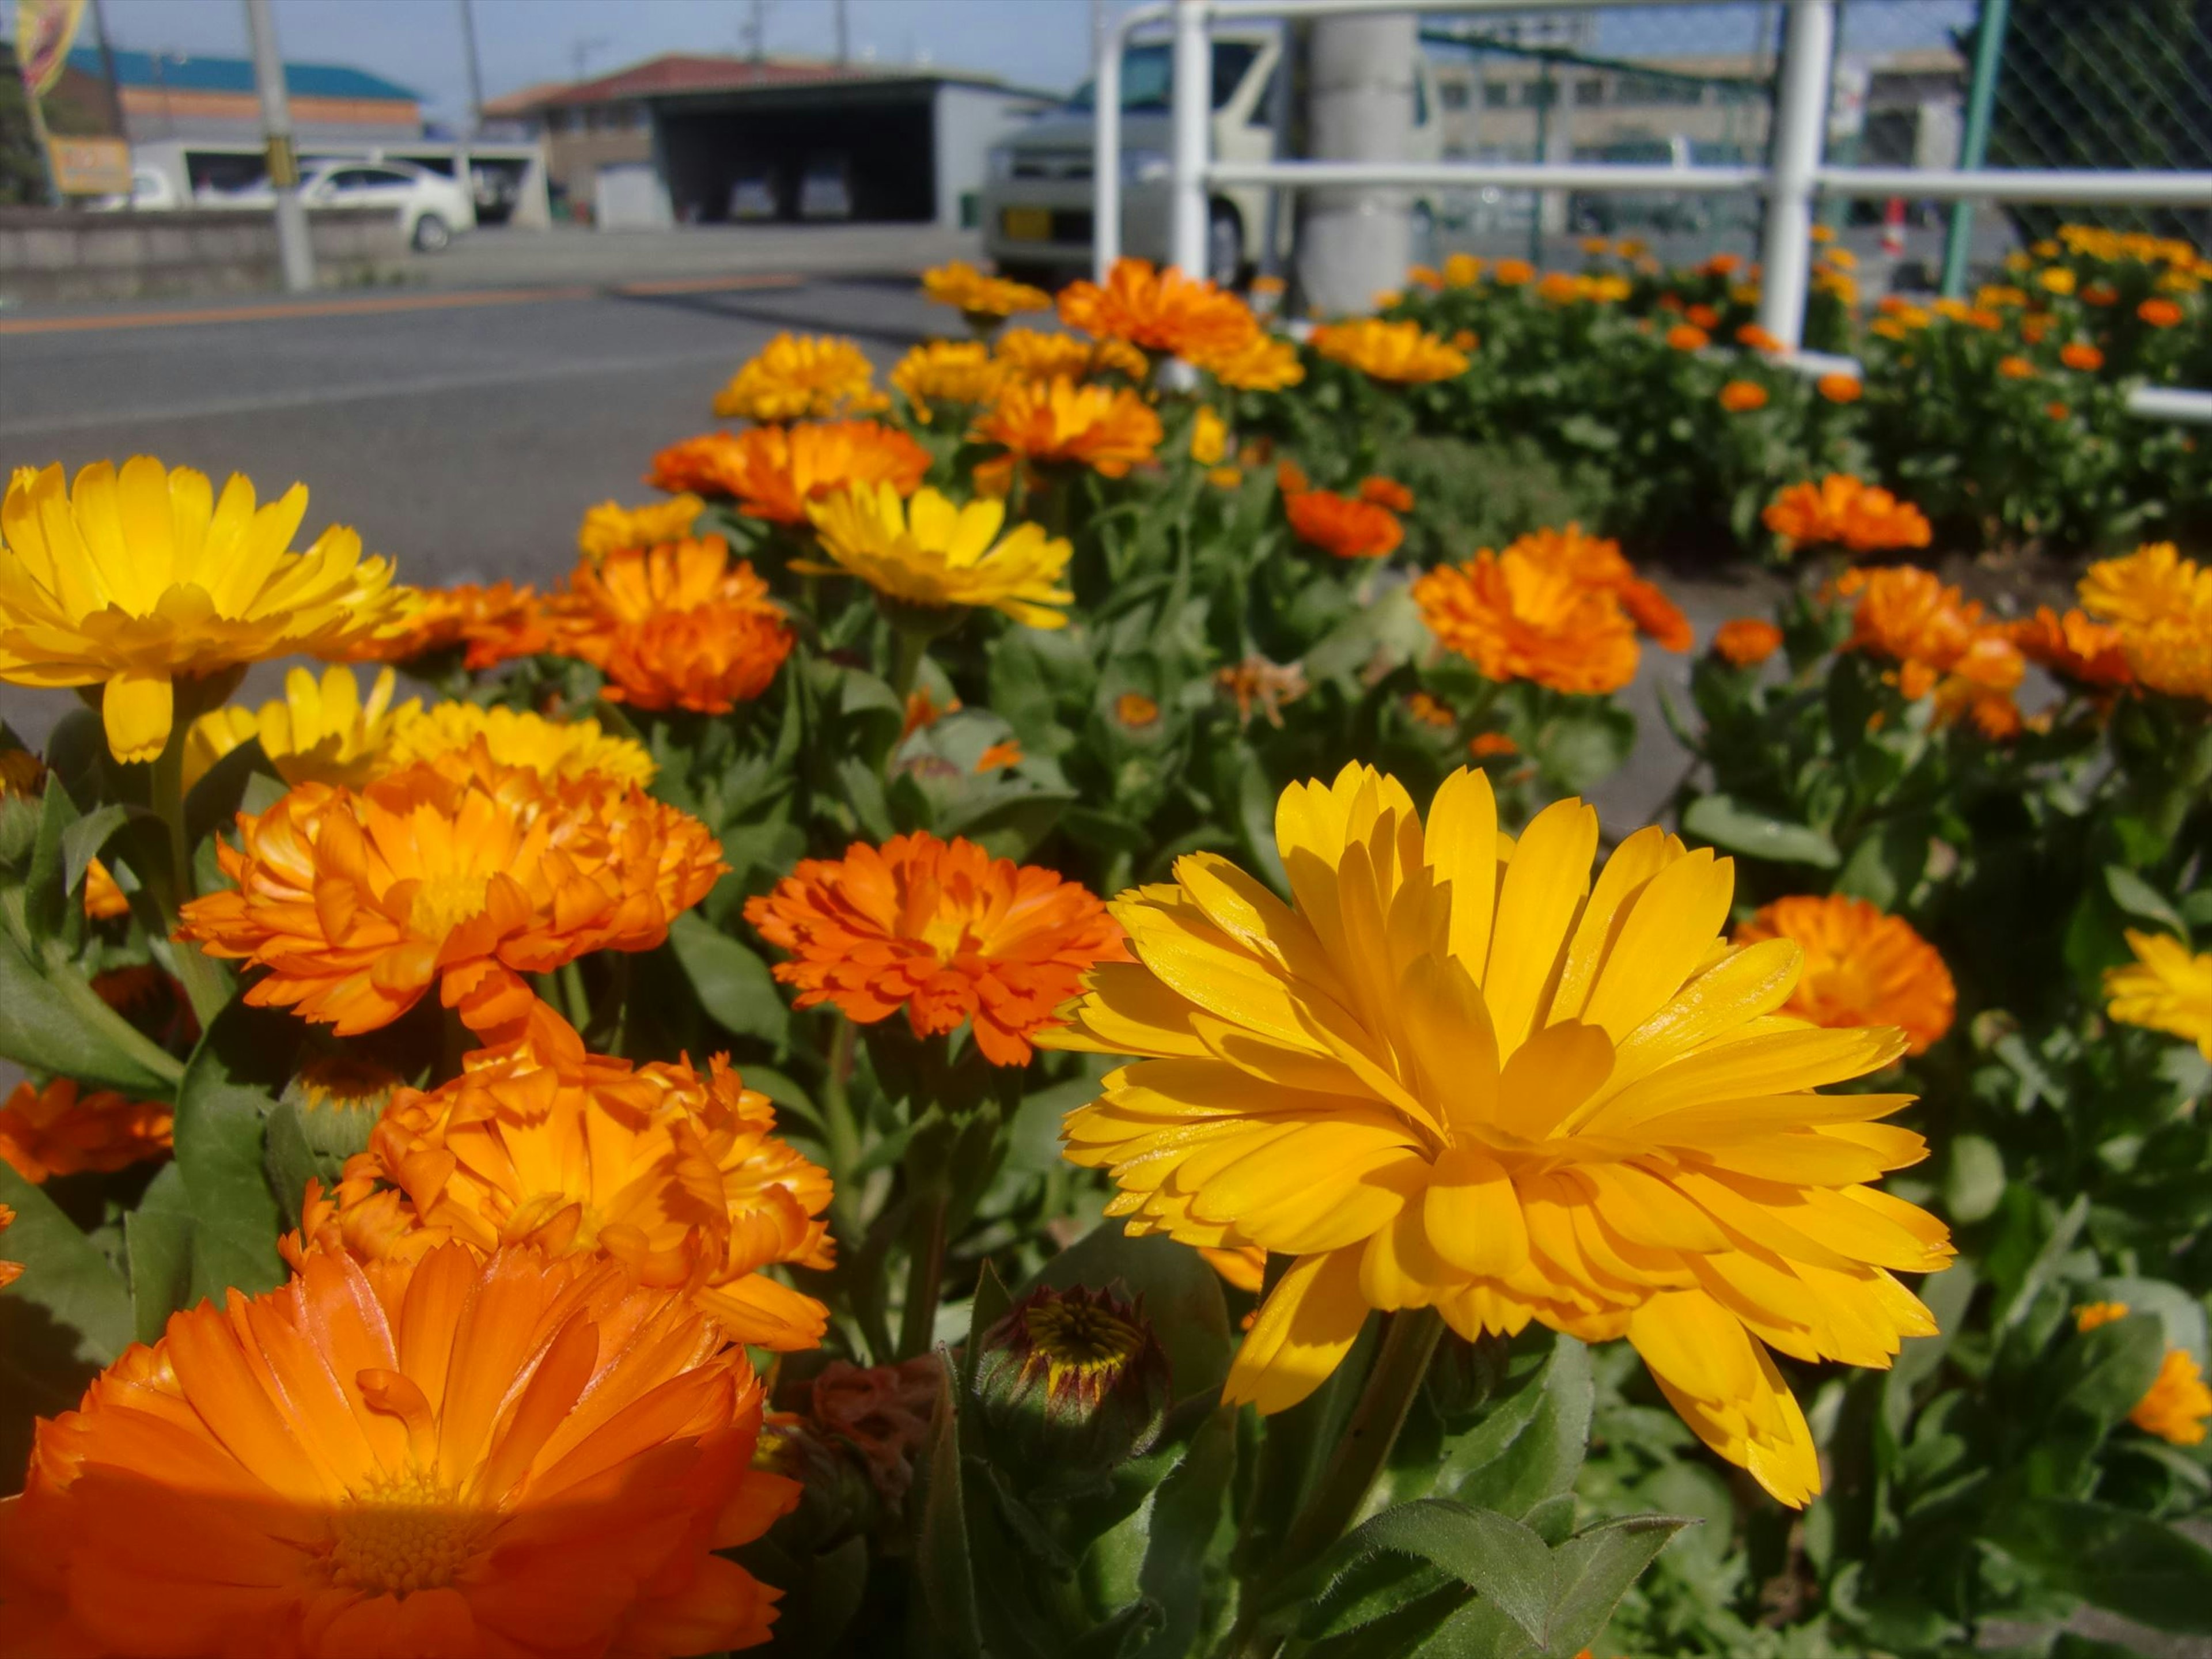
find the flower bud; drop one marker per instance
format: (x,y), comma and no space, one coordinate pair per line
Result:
(1072,1383)
(336,1099)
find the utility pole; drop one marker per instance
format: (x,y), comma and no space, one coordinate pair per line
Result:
(757,31)
(294,251)
(107,70)
(1354,242)
(844,36)
(464,162)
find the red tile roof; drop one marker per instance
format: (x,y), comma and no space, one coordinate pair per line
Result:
(675,71)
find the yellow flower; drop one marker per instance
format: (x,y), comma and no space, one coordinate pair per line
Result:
(1532,1098)
(2056,278)
(318,732)
(1209,437)
(556,750)
(611,526)
(801,376)
(142,577)
(948,372)
(2178,1402)
(979,297)
(936,552)
(2161,605)
(2166,988)
(1405,353)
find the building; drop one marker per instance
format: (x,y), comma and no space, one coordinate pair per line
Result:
(178,97)
(690,139)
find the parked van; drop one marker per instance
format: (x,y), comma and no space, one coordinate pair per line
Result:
(1038,201)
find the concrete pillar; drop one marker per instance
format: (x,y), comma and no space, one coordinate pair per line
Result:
(1359,107)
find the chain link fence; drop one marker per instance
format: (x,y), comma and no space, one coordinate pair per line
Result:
(2079,84)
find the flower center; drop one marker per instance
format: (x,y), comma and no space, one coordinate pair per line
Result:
(402,1533)
(947,932)
(443,903)
(1080,1341)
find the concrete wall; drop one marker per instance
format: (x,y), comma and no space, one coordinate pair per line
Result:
(52,253)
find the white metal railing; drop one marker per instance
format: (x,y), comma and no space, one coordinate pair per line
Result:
(1798,179)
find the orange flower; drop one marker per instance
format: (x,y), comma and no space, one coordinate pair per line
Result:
(801,376)
(1740,397)
(1704,316)
(1266,362)
(1343,525)
(942,929)
(1751,335)
(1109,430)
(708,659)
(979,297)
(1426,710)
(1721,264)
(2055,411)
(2161,605)
(9,1270)
(1492,745)
(999,757)
(2087,358)
(922,712)
(2075,646)
(1840,511)
(460,1455)
(678,1176)
(1688,337)
(1596,562)
(1387,493)
(640,583)
(2177,1402)
(55,1131)
(1746,641)
(1862,967)
(1161,311)
(1036,355)
(2015,368)
(456,871)
(1939,642)
(1518,616)
(104,900)
(1403,354)
(497,624)
(1256,684)
(2158,311)
(1136,710)
(773,471)
(1512,273)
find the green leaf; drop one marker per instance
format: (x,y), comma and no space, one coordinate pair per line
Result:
(944,1574)
(2138,898)
(159,1244)
(64,1274)
(229,1088)
(1579,749)
(1593,1570)
(1529,1447)
(1973,1179)
(733,984)
(991,1304)
(1186,1512)
(1885,866)
(1499,1557)
(2105,1373)
(2111,1558)
(1727,823)
(82,840)
(1183,1297)
(60,1025)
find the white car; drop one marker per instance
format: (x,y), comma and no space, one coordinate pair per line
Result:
(150,193)
(432,207)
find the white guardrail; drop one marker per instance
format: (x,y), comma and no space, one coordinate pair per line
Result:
(1798,177)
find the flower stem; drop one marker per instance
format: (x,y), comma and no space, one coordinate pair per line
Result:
(925,1271)
(204,984)
(840,1133)
(908,645)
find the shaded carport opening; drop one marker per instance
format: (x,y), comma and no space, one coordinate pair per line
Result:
(886,138)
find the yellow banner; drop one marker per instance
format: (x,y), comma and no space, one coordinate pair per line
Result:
(44,30)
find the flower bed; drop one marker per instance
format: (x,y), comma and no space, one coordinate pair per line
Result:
(997,1029)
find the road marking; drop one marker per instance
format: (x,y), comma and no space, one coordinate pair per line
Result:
(383,304)
(421,386)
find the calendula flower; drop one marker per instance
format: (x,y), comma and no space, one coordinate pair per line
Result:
(1257,685)
(1688,337)
(2161,605)
(706,659)
(458,873)
(462,1455)
(2076,354)
(1840,388)
(2167,987)
(610,525)
(1596,562)
(104,900)
(1209,436)
(1842,511)
(1266,362)
(1344,525)
(138,578)
(1512,273)
(2177,1402)
(999,757)
(318,732)
(922,711)
(960,373)
(1516,1098)
(1404,354)
(555,749)
(1862,967)
(984,299)
(60,1131)
(1742,397)
(2012,367)
(1939,640)
(772,473)
(1519,617)
(1160,310)
(675,1173)
(9,1270)
(496,623)
(1746,641)
(798,377)
(941,929)
(2075,646)
(933,552)
(1031,355)
(1386,493)
(1492,745)
(1106,429)
(2159,312)
(1136,711)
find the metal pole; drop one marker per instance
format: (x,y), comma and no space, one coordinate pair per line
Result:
(1546,89)
(1801,120)
(107,70)
(294,251)
(1974,140)
(464,163)
(1106,151)
(844,36)
(1193,95)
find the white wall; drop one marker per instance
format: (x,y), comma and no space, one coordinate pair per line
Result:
(969,121)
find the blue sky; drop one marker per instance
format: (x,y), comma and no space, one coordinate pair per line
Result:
(1043,43)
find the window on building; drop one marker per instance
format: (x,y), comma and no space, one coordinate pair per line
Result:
(595,117)
(1634,91)
(1496,94)
(557,120)
(1454,94)
(1539,94)
(1590,91)
(639,118)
